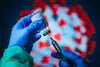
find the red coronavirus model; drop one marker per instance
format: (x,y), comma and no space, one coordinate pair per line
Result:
(70,26)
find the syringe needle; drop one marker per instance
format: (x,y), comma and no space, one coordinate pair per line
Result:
(51,38)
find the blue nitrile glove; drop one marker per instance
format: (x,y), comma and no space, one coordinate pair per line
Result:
(73,59)
(24,33)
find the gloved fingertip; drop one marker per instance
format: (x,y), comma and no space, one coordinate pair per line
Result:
(63,64)
(55,55)
(38,36)
(64,50)
(66,53)
(30,16)
(26,20)
(30,20)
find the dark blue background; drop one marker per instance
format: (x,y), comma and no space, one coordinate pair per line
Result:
(9,13)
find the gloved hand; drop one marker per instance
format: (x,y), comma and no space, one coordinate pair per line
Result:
(73,59)
(24,33)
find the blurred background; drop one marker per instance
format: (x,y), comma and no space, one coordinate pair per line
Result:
(9,13)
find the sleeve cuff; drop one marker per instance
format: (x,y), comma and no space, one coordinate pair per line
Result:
(16,57)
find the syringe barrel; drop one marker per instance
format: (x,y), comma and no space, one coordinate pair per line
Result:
(56,46)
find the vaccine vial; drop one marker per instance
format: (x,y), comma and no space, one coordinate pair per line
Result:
(44,28)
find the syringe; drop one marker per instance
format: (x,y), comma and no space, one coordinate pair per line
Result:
(58,49)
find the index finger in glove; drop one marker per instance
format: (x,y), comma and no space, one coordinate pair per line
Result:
(72,56)
(68,55)
(24,21)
